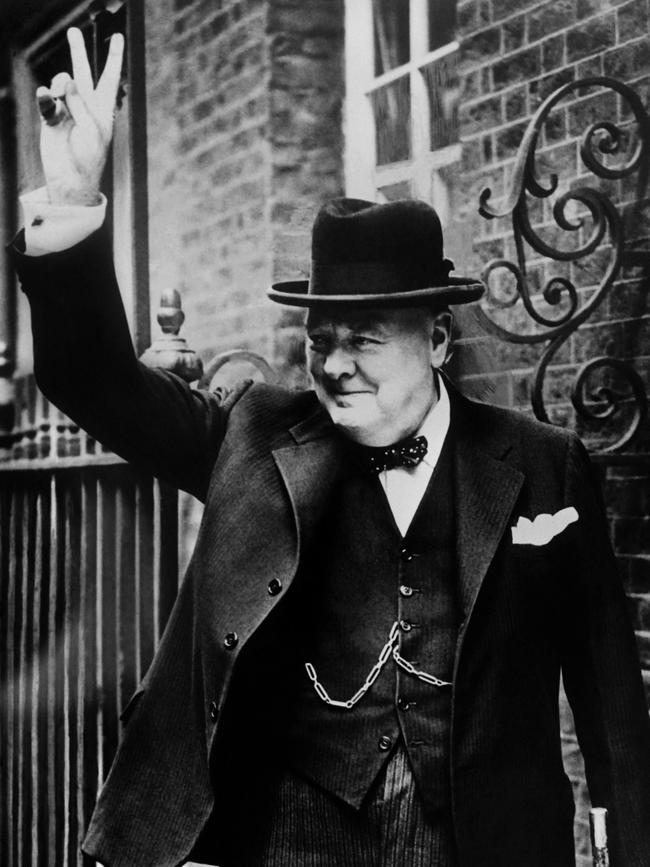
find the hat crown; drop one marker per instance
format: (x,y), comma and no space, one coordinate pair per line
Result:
(401,232)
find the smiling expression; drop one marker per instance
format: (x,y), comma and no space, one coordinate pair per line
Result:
(373,369)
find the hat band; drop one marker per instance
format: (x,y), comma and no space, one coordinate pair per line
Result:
(379,278)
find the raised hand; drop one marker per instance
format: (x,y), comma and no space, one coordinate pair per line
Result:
(77,123)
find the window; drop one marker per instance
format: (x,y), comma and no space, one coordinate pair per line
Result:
(401,99)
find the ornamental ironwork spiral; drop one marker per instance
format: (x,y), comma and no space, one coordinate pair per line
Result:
(601,218)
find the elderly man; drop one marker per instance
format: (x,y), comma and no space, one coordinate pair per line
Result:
(363,662)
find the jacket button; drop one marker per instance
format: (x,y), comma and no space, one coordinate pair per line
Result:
(405,590)
(231,639)
(385,743)
(274,587)
(403,704)
(214,711)
(405,625)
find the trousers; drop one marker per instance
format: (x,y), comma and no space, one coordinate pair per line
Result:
(297,824)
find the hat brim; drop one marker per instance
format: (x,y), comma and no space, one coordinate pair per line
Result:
(457,290)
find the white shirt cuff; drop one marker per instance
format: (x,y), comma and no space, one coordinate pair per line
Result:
(51,228)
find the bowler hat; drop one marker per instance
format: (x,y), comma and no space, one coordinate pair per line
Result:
(388,255)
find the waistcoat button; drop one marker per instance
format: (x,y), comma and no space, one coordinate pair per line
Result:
(405,625)
(403,704)
(274,587)
(405,590)
(214,711)
(385,743)
(230,640)
(405,555)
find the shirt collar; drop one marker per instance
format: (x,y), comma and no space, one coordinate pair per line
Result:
(436,424)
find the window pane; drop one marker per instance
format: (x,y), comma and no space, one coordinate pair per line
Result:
(392,110)
(391,26)
(393,192)
(442,22)
(441,78)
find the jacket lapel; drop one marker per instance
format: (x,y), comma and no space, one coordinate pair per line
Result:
(310,468)
(486,491)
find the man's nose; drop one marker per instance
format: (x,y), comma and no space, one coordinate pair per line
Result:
(338,362)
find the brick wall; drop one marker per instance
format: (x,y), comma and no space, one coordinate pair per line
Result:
(513,55)
(244,103)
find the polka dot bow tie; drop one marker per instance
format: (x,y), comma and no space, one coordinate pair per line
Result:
(408,452)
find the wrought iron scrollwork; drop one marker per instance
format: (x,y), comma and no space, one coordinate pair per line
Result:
(583,208)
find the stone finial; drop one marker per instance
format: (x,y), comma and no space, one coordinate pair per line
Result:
(169,351)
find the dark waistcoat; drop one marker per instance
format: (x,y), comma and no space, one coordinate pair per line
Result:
(359,579)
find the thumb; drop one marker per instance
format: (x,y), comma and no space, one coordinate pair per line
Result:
(51,109)
(77,106)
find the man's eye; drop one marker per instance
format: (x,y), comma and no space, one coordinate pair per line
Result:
(317,344)
(360,341)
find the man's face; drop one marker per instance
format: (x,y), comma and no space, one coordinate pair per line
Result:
(373,369)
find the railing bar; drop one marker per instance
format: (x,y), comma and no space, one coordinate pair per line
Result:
(109,618)
(87,707)
(156,540)
(145,574)
(59,722)
(36,674)
(168,568)
(5,512)
(99,627)
(10,696)
(19,679)
(28,527)
(65,673)
(71,579)
(44,543)
(126,592)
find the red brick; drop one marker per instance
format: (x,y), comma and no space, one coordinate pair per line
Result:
(516,103)
(477,116)
(590,37)
(629,498)
(503,8)
(638,573)
(586,8)
(628,61)
(632,20)
(310,17)
(549,17)
(480,46)
(639,608)
(467,17)
(518,67)
(643,646)
(514,33)
(553,52)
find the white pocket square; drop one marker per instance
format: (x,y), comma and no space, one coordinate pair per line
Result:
(543,528)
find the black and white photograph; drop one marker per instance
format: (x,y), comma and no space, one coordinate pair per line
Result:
(324,437)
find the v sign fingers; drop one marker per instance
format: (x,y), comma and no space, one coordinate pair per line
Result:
(109,82)
(78,123)
(80,66)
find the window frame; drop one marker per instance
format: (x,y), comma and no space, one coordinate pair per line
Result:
(426,169)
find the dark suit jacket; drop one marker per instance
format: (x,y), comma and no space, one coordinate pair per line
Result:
(264,470)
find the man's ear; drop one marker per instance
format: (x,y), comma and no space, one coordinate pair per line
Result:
(441,337)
